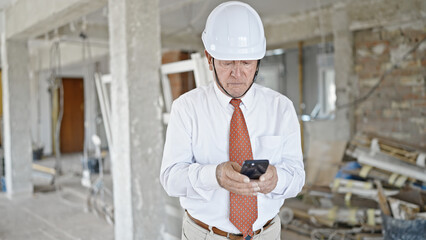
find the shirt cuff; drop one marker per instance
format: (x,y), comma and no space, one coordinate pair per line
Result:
(208,177)
(281,183)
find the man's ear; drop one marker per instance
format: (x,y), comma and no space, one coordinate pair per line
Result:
(209,60)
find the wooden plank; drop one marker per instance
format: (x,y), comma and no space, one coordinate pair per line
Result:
(383,203)
(323,161)
(391,147)
(395,143)
(355,201)
(44,169)
(412,196)
(372,174)
(403,210)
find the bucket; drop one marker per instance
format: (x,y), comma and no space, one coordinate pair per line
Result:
(403,229)
(93,164)
(37,153)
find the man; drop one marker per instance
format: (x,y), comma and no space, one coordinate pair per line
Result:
(213,129)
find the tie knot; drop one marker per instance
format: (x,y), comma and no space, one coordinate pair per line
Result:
(235,102)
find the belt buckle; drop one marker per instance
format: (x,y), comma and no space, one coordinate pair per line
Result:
(233,236)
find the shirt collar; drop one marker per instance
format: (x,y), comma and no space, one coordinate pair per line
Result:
(224,100)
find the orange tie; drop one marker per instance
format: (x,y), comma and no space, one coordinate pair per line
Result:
(243,209)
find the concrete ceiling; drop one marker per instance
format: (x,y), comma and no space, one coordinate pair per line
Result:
(191,15)
(181,14)
(5,3)
(183,20)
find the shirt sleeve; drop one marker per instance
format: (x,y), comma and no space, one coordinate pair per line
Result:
(181,175)
(290,170)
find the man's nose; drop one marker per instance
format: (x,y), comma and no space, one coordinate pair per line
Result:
(236,70)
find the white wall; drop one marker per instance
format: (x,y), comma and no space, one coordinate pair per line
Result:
(286,80)
(41,120)
(85,71)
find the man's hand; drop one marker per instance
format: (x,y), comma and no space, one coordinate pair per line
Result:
(229,177)
(268,181)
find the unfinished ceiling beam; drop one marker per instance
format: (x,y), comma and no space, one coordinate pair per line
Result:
(182,41)
(362,14)
(30,18)
(369,14)
(177,6)
(286,29)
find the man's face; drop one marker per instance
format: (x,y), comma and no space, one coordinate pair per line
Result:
(235,76)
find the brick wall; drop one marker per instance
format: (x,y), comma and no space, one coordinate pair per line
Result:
(397,109)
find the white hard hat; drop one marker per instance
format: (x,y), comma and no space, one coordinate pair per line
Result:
(234,31)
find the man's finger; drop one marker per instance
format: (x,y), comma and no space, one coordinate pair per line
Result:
(270,172)
(265,177)
(236,166)
(239,185)
(236,176)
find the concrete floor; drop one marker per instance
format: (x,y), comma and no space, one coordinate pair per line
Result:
(61,214)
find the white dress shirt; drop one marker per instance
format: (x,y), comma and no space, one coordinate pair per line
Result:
(198,140)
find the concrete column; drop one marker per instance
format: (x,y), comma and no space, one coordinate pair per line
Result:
(135,52)
(16,115)
(341,127)
(343,66)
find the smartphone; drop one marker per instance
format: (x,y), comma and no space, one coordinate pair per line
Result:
(254,168)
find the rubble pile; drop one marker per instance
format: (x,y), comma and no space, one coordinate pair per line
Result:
(371,188)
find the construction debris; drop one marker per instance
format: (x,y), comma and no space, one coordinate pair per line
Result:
(375,190)
(42,175)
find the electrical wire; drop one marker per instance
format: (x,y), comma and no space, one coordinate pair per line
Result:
(55,83)
(96,198)
(37,140)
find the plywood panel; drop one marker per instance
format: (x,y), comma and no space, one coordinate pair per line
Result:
(324,158)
